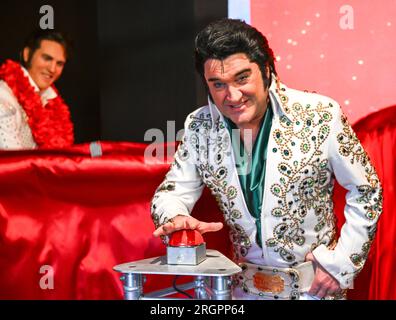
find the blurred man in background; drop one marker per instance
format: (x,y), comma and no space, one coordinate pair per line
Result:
(32,113)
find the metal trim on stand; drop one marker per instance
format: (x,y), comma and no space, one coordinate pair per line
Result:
(212,277)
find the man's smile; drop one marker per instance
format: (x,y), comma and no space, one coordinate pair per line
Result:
(237,106)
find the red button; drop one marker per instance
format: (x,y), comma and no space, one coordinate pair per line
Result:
(186,238)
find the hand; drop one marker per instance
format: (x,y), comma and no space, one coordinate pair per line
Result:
(187,222)
(324,284)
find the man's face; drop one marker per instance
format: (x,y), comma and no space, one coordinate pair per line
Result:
(46,64)
(237,88)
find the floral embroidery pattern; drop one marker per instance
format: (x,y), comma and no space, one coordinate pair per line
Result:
(307,125)
(350,147)
(217,146)
(358,259)
(165,186)
(305,184)
(349,144)
(225,195)
(202,145)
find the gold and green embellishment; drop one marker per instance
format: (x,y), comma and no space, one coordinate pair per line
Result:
(156,219)
(350,145)
(166,186)
(286,255)
(182,153)
(277,191)
(305,184)
(367,195)
(371,194)
(240,240)
(358,259)
(215,177)
(299,128)
(215,180)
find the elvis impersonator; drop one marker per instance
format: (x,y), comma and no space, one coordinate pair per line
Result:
(32,113)
(270,154)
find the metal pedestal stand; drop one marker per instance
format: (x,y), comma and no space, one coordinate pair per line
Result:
(212,277)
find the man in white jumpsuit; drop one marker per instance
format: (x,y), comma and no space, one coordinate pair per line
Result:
(270,154)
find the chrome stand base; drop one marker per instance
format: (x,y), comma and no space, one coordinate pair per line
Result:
(212,277)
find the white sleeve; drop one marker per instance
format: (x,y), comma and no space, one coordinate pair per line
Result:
(182,186)
(353,170)
(9,120)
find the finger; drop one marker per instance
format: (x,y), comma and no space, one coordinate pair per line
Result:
(322,292)
(310,257)
(334,290)
(158,232)
(315,287)
(204,227)
(179,224)
(191,223)
(337,287)
(184,222)
(171,227)
(164,230)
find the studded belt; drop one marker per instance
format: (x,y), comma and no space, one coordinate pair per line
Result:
(276,283)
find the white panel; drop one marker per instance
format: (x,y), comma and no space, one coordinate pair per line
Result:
(239,9)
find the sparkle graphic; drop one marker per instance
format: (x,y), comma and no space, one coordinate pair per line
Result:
(313,53)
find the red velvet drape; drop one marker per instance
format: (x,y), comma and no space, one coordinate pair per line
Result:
(82,215)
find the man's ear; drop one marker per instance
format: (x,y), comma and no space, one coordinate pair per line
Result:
(25,54)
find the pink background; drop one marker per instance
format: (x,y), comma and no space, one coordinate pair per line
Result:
(355,67)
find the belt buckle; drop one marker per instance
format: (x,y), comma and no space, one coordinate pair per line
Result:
(269,283)
(278,283)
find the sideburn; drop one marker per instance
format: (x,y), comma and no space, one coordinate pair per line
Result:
(28,63)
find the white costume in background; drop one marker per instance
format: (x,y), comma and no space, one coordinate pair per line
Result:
(15,132)
(310,143)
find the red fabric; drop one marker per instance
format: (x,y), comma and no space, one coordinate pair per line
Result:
(377,132)
(84,215)
(81,216)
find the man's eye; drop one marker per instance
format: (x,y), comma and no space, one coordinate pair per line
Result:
(242,79)
(218,85)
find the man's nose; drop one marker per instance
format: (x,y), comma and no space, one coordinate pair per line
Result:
(52,67)
(233,94)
